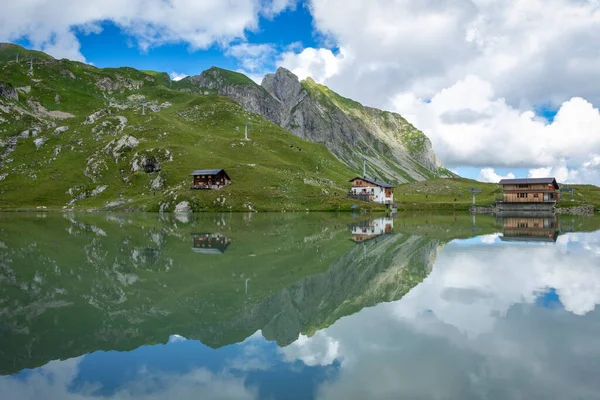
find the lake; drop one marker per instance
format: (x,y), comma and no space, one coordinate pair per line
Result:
(298,306)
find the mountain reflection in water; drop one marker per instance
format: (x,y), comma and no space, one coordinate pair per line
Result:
(286,306)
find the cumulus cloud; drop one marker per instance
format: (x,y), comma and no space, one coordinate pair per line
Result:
(52,28)
(471,326)
(253,57)
(470,289)
(318,64)
(469,73)
(507,137)
(318,350)
(55,381)
(489,175)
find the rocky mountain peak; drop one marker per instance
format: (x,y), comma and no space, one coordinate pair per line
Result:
(284,85)
(395,150)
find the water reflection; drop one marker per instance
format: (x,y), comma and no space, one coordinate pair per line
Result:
(371,228)
(429,309)
(530,229)
(210,243)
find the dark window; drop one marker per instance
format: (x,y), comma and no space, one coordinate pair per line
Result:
(535,195)
(523,186)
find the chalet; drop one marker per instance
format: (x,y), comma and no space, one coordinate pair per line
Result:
(210,179)
(531,190)
(210,243)
(369,189)
(532,229)
(367,230)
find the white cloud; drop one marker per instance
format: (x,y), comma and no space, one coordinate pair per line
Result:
(317,350)
(176,76)
(483,65)
(471,289)
(50,26)
(55,381)
(252,57)
(471,326)
(318,64)
(489,175)
(469,125)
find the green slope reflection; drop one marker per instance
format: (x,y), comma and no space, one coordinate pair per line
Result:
(75,283)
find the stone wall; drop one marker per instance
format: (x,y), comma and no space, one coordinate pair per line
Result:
(586,209)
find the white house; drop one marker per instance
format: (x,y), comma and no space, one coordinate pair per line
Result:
(369,189)
(366,230)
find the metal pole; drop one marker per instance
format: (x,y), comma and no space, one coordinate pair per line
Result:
(246,132)
(31,65)
(364,167)
(143,108)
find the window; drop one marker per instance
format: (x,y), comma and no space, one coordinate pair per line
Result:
(523,186)
(536,195)
(522,195)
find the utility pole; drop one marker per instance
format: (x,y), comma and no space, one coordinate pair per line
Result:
(246,131)
(17,58)
(31,66)
(364,167)
(143,108)
(473,191)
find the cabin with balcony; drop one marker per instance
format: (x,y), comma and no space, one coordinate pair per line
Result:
(369,189)
(210,179)
(530,190)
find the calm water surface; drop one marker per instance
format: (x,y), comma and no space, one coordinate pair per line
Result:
(303,306)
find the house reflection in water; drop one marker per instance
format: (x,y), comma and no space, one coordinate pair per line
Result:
(530,229)
(367,230)
(210,243)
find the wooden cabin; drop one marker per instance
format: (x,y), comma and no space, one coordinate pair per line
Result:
(210,243)
(530,190)
(369,189)
(534,229)
(210,179)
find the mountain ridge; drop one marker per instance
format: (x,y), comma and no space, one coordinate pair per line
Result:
(395,150)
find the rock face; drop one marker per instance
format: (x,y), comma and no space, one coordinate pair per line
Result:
(241,89)
(7,91)
(395,150)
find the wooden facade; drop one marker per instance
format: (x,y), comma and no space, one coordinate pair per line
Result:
(210,179)
(540,190)
(531,228)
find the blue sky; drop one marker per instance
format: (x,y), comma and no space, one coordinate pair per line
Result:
(503,107)
(111,47)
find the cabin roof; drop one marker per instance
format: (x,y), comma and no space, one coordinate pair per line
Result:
(529,181)
(373,181)
(207,172)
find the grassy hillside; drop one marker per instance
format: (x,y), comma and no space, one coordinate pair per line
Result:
(77,138)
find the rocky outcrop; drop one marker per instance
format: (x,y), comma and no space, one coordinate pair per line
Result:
(395,150)
(7,91)
(241,89)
